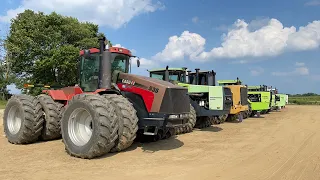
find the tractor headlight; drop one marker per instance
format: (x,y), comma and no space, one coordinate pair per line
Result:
(174,116)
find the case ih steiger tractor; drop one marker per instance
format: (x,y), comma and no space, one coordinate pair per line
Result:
(104,113)
(259,99)
(240,108)
(209,103)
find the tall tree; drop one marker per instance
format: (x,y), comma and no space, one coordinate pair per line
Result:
(4,79)
(45,48)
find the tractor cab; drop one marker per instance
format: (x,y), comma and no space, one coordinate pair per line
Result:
(202,77)
(169,74)
(91,63)
(229,82)
(258,88)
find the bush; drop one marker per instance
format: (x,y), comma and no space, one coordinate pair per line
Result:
(2,104)
(305,100)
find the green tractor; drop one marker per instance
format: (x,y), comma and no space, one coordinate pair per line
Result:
(281,103)
(275,98)
(260,100)
(210,103)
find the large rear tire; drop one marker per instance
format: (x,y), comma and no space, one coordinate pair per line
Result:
(192,119)
(23,119)
(128,121)
(52,115)
(89,126)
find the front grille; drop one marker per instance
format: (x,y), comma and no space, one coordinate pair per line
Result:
(244,96)
(175,101)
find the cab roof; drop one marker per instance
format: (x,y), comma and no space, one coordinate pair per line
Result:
(119,50)
(163,69)
(228,81)
(201,71)
(254,87)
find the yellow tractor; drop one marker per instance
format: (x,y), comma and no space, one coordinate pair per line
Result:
(240,108)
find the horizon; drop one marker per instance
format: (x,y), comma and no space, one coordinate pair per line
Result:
(261,43)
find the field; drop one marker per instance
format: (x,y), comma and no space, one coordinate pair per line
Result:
(305,100)
(280,145)
(2,104)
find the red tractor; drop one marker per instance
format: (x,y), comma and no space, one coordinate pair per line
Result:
(104,113)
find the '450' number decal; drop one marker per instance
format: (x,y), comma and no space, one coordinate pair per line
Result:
(153,89)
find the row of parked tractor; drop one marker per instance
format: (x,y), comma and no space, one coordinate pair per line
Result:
(228,100)
(110,108)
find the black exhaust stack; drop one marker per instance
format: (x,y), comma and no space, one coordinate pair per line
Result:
(189,77)
(105,66)
(238,81)
(166,74)
(213,77)
(197,76)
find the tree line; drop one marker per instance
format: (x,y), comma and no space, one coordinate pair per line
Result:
(43,49)
(305,94)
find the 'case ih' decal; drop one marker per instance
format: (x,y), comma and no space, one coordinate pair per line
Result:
(127,81)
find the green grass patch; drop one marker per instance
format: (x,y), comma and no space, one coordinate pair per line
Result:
(304,100)
(2,104)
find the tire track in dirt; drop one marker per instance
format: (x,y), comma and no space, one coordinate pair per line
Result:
(282,145)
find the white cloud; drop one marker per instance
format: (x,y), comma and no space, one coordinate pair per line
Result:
(195,19)
(256,71)
(264,37)
(300,69)
(103,12)
(269,40)
(186,45)
(306,38)
(313,3)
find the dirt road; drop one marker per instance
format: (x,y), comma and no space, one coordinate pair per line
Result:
(282,145)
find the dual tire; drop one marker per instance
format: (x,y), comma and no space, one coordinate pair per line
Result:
(28,119)
(110,125)
(91,125)
(23,119)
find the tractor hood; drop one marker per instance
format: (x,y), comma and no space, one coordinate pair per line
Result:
(159,96)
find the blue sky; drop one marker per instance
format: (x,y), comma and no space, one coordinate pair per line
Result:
(260,42)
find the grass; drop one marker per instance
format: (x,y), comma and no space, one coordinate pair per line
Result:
(2,104)
(304,100)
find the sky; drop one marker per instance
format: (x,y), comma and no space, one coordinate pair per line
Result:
(276,43)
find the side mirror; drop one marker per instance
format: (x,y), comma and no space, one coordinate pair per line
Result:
(138,62)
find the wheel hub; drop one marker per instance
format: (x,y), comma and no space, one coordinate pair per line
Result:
(80,127)
(14,120)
